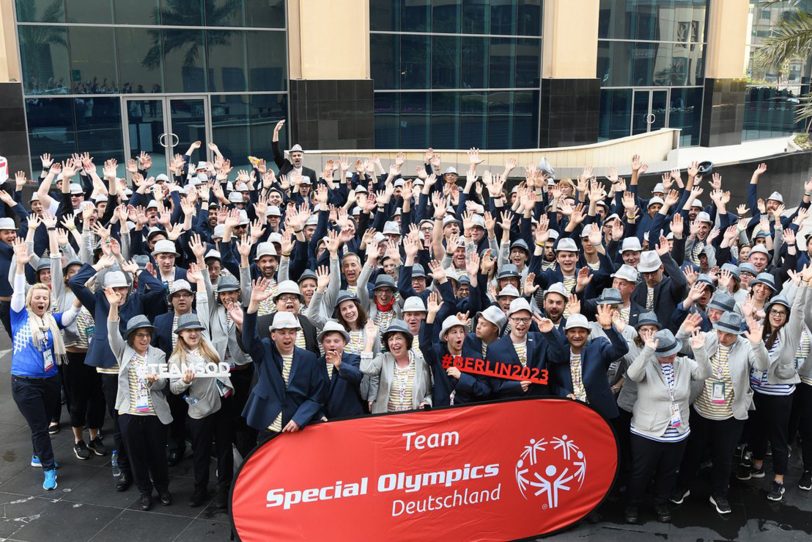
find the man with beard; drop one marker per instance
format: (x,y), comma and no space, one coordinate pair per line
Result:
(657,292)
(266,264)
(296,162)
(554,303)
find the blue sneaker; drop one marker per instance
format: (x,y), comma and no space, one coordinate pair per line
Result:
(50,480)
(35,462)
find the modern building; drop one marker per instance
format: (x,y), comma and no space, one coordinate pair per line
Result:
(115,77)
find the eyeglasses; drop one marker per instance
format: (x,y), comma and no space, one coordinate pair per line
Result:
(776,312)
(288,297)
(520,320)
(143,335)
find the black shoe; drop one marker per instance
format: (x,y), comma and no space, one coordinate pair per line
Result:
(124,482)
(744,472)
(679,495)
(146,502)
(80,451)
(166,497)
(663,512)
(53,428)
(632,514)
(776,492)
(806,481)
(97,446)
(721,505)
(199,498)
(221,497)
(174,457)
(757,473)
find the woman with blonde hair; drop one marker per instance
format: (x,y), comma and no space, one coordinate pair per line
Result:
(211,407)
(37,349)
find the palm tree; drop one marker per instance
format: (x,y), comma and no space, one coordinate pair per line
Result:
(790,39)
(186,13)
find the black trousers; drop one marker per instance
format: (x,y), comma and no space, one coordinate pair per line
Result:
(56,413)
(220,427)
(721,436)
(245,437)
(85,395)
(802,411)
(5,316)
(661,459)
(145,439)
(771,421)
(177,429)
(622,424)
(110,389)
(35,397)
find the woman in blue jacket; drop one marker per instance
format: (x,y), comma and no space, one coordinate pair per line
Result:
(37,350)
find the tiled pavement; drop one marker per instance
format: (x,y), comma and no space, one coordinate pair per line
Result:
(86,506)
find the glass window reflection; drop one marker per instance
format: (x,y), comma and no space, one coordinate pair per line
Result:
(225,55)
(44,57)
(92,62)
(183,58)
(45,11)
(136,75)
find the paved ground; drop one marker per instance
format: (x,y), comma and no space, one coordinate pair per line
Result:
(85,506)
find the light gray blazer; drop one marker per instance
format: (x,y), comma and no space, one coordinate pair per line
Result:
(124,354)
(383,365)
(217,325)
(652,409)
(203,389)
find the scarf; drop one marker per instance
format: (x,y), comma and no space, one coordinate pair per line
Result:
(385,308)
(40,326)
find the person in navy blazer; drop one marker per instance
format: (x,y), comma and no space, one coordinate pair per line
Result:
(298,401)
(451,386)
(596,356)
(342,389)
(542,348)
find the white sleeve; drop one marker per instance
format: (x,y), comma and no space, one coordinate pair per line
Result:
(18,297)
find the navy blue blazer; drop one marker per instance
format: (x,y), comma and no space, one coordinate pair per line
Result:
(99,353)
(300,401)
(469,388)
(342,393)
(162,336)
(596,357)
(542,350)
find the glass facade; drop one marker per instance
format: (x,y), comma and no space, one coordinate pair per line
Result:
(81,59)
(456,73)
(772,92)
(651,66)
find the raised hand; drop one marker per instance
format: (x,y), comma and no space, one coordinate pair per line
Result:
(261,290)
(21,252)
(755,331)
(194,274)
(437,271)
(697,340)
(434,302)
(113,297)
(574,305)
(604,316)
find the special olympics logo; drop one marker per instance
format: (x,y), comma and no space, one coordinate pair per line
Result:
(547,468)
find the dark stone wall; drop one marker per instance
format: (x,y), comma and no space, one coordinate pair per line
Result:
(332,114)
(722,112)
(570,111)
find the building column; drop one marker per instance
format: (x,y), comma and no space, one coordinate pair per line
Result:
(725,87)
(13,131)
(331,98)
(570,90)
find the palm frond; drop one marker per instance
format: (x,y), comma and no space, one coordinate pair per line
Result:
(790,39)
(803,110)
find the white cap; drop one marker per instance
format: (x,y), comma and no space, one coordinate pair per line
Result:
(265,249)
(450,169)
(285,320)
(165,246)
(519,305)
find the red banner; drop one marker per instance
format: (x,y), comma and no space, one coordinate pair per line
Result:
(494,471)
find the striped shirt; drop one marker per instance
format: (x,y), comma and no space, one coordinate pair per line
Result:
(577,377)
(85,327)
(383,319)
(671,434)
(268,306)
(139,388)
(720,373)
(624,313)
(402,388)
(649,299)
(802,355)
(173,334)
(521,352)
(569,286)
(759,381)
(287,363)
(356,344)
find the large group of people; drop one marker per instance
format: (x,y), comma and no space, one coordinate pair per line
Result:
(339,293)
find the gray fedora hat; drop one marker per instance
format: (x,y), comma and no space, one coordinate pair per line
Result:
(722,301)
(667,344)
(345,295)
(495,316)
(730,322)
(227,283)
(609,296)
(139,321)
(508,271)
(188,321)
(397,326)
(418,272)
(778,300)
(647,319)
(767,279)
(448,323)
(331,326)
(307,274)
(385,281)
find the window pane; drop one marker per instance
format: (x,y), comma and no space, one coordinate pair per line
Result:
(525,120)
(265,111)
(50,126)
(686,113)
(445,16)
(89,11)
(640,64)
(269,70)
(183,59)
(387,106)
(226,60)
(501,55)
(92,62)
(474,19)
(503,17)
(414,70)
(44,55)
(529,18)
(47,11)
(528,63)
(445,62)
(615,114)
(230,130)
(137,72)
(666,20)
(182,12)
(499,120)
(385,60)
(414,14)
(224,13)
(444,120)
(265,13)
(474,62)
(414,120)
(472,120)
(141,12)
(98,122)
